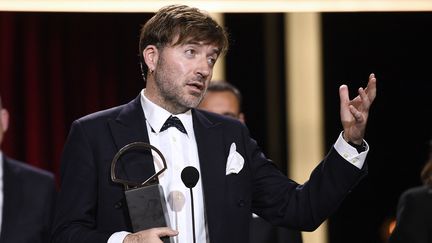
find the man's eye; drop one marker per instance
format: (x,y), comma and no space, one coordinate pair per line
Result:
(190,52)
(211,61)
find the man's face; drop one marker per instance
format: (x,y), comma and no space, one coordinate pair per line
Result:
(222,102)
(182,74)
(4,122)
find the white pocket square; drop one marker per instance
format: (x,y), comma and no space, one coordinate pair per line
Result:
(235,161)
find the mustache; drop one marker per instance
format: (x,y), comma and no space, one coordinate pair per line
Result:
(199,78)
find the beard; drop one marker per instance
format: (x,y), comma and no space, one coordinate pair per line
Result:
(173,92)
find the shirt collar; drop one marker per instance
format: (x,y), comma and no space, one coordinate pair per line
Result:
(156,115)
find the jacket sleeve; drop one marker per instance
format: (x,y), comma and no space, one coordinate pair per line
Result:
(75,218)
(287,203)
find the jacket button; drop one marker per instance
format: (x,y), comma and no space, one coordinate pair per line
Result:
(118,205)
(241,203)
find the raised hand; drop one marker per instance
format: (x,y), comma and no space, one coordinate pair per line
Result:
(354,113)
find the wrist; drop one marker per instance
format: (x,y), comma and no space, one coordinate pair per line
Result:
(357,142)
(359,147)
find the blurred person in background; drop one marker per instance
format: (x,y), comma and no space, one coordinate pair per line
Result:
(414,211)
(27,196)
(223,98)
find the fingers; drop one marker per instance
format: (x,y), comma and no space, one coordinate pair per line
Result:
(358,116)
(364,100)
(367,95)
(371,88)
(152,235)
(344,103)
(370,91)
(344,95)
(165,231)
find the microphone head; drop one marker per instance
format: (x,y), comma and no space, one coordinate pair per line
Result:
(190,176)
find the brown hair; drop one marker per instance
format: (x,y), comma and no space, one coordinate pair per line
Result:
(184,22)
(220,86)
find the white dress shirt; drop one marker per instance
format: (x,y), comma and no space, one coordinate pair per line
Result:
(350,153)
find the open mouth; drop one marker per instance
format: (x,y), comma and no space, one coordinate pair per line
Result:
(197,86)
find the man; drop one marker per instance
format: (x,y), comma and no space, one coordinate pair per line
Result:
(26,197)
(225,99)
(414,210)
(179,46)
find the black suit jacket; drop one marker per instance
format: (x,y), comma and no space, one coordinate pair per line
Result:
(91,207)
(28,203)
(263,232)
(414,217)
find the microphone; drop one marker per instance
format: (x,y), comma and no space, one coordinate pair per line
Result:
(190,177)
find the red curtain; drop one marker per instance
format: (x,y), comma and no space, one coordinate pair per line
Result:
(57,67)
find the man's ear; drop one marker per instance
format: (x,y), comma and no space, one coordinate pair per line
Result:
(151,55)
(242,118)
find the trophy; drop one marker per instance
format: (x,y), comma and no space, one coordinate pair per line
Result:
(146,200)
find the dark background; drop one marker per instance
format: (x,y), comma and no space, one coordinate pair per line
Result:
(397,48)
(56,67)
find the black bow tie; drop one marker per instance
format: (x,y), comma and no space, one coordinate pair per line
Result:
(173,121)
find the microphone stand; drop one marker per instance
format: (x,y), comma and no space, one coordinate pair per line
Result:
(190,177)
(193,215)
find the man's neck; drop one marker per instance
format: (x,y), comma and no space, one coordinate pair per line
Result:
(159,101)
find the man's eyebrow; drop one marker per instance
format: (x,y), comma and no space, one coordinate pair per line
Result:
(216,51)
(193,42)
(201,43)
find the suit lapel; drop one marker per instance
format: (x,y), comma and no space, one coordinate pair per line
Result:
(128,127)
(211,152)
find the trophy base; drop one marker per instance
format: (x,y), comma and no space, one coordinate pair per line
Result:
(147,208)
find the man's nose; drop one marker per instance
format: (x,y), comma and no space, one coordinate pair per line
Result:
(203,67)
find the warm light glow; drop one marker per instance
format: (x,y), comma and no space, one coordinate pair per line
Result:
(304,101)
(221,6)
(391,226)
(219,68)
(387,228)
